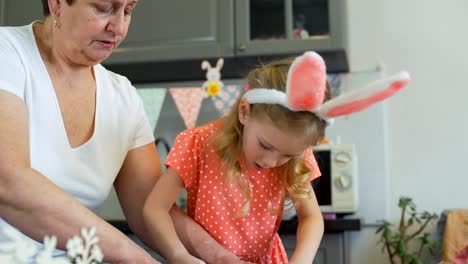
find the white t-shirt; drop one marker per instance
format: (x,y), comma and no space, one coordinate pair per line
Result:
(86,172)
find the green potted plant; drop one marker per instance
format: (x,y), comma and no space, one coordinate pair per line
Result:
(406,243)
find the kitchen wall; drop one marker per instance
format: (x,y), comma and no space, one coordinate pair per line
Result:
(425,127)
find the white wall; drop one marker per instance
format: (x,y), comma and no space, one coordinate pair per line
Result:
(426,124)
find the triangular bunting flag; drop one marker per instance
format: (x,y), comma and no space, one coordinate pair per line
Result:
(226,98)
(188,102)
(153,99)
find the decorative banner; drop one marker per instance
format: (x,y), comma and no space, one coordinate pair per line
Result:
(153,99)
(226,98)
(188,102)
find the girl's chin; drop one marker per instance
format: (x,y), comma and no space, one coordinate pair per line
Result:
(257,167)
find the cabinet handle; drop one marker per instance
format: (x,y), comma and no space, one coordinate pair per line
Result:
(241,47)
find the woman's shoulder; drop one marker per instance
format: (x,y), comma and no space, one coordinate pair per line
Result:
(111,77)
(15,36)
(13,31)
(115,86)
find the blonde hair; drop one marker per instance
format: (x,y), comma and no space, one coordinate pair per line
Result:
(295,175)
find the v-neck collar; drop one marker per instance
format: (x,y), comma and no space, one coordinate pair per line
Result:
(54,95)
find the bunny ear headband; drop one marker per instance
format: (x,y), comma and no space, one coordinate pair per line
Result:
(305,90)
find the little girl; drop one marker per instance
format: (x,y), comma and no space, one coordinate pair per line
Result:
(238,170)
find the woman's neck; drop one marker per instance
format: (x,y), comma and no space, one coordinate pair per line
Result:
(48,45)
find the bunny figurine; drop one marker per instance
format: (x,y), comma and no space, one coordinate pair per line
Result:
(213,83)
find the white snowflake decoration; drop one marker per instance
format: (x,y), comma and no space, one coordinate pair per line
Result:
(45,256)
(87,252)
(80,250)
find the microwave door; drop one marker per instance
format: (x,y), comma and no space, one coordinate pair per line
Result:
(322,185)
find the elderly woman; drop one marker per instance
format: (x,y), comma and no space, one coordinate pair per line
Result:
(71,129)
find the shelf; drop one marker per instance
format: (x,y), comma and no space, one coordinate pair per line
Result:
(190,70)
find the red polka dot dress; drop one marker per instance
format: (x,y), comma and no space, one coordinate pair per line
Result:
(214,203)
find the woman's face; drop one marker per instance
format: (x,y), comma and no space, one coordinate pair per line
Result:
(91,29)
(266,146)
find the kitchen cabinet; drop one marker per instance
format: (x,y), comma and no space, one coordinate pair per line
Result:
(19,12)
(244,32)
(288,26)
(331,249)
(181,30)
(178,29)
(159,31)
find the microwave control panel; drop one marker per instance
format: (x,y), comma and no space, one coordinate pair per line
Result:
(342,169)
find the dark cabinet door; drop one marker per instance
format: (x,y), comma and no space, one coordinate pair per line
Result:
(164,30)
(19,12)
(331,250)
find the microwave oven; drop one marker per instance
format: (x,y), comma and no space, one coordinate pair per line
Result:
(337,189)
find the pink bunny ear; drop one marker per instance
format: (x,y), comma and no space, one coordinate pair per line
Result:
(306,84)
(360,99)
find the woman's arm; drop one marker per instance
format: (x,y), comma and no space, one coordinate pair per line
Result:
(36,206)
(309,231)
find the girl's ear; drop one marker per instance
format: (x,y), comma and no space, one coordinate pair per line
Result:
(306,83)
(244,111)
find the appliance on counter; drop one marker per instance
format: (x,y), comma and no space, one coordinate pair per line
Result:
(337,188)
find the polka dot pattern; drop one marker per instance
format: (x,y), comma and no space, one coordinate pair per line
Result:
(213,202)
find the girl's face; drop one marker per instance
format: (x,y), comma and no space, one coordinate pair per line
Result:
(91,29)
(266,146)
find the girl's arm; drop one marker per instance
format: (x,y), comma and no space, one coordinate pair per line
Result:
(157,218)
(309,231)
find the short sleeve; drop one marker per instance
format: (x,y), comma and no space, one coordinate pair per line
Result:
(311,163)
(12,72)
(184,156)
(143,131)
